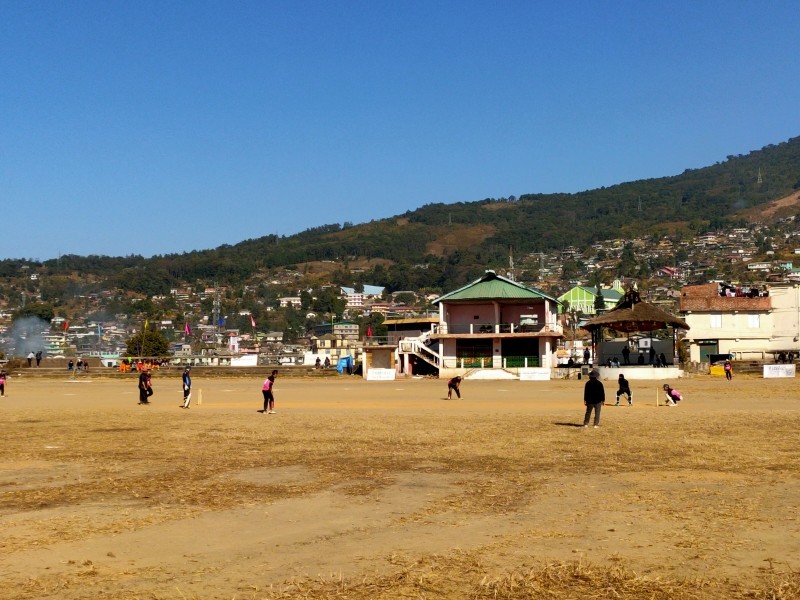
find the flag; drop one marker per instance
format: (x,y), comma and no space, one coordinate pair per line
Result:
(99,331)
(221,322)
(252,321)
(186,329)
(66,325)
(369,330)
(146,323)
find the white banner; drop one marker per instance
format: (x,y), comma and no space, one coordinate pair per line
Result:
(771,371)
(534,374)
(380,374)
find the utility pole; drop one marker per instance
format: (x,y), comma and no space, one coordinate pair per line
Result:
(215,316)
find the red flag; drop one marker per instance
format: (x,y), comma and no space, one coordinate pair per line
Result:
(369,330)
(66,325)
(252,321)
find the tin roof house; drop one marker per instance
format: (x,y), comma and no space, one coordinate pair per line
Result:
(496,323)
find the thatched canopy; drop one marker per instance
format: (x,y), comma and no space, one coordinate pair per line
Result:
(634,314)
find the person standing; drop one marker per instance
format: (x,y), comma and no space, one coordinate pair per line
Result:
(626,355)
(652,355)
(187,387)
(594,396)
(31,356)
(453,386)
(145,387)
(586,356)
(269,398)
(728,370)
(2,384)
(38,357)
(624,388)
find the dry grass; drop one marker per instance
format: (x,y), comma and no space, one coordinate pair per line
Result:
(700,482)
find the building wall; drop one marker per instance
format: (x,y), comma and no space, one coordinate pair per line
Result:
(786,316)
(736,332)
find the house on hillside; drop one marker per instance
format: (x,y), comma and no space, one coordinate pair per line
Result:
(582,298)
(355,300)
(496,323)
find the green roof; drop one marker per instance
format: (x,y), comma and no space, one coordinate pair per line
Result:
(493,287)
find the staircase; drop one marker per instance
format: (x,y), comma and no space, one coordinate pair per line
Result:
(417,347)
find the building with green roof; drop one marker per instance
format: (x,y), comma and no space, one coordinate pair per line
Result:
(496,323)
(582,298)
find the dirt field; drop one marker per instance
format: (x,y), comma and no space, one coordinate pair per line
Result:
(361,489)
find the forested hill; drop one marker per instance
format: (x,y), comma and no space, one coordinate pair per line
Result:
(459,239)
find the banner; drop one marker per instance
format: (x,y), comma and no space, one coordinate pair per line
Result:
(534,374)
(775,371)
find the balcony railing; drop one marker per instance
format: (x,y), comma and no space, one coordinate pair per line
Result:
(497,328)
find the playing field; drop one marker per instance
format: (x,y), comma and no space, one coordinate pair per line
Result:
(364,490)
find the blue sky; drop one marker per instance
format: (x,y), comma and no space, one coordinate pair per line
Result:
(165,127)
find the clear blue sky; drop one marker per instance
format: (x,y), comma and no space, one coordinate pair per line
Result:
(159,127)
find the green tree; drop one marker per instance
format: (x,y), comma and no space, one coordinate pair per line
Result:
(569,269)
(148,343)
(599,302)
(42,310)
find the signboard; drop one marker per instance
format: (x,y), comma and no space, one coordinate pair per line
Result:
(534,374)
(380,374)
(773,371)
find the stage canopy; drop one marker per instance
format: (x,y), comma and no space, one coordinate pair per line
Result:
(634,314)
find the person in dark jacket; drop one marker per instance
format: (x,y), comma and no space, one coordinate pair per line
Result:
(145,387)
(594,396)
(187,387)
(624,388)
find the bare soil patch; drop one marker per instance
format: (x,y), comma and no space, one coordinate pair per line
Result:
(387,490)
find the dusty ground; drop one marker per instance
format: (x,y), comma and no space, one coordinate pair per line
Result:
(361,489)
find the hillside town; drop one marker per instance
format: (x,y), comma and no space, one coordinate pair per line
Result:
(289,317)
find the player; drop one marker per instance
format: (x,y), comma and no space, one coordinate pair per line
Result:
(453,386)
(624,388)
(187,387)
(269,398)
(673,396)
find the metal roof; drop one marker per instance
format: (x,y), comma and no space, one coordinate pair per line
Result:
(494,287)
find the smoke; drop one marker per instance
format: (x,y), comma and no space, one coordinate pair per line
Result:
(25,336)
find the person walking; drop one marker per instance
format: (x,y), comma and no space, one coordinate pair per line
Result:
(145,387)
(453,386)
(728,370)
(594,396)
(187,387)
(624,388)
(269,398)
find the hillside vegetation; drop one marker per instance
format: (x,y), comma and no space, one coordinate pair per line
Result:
(439,245)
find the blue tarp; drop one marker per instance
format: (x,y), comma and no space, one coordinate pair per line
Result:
(345,364)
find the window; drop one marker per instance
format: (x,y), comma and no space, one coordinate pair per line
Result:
(715,321)
(754,321)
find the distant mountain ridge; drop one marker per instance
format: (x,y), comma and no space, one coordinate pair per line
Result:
(457,240)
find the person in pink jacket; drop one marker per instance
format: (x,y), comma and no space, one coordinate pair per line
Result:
(269,398)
